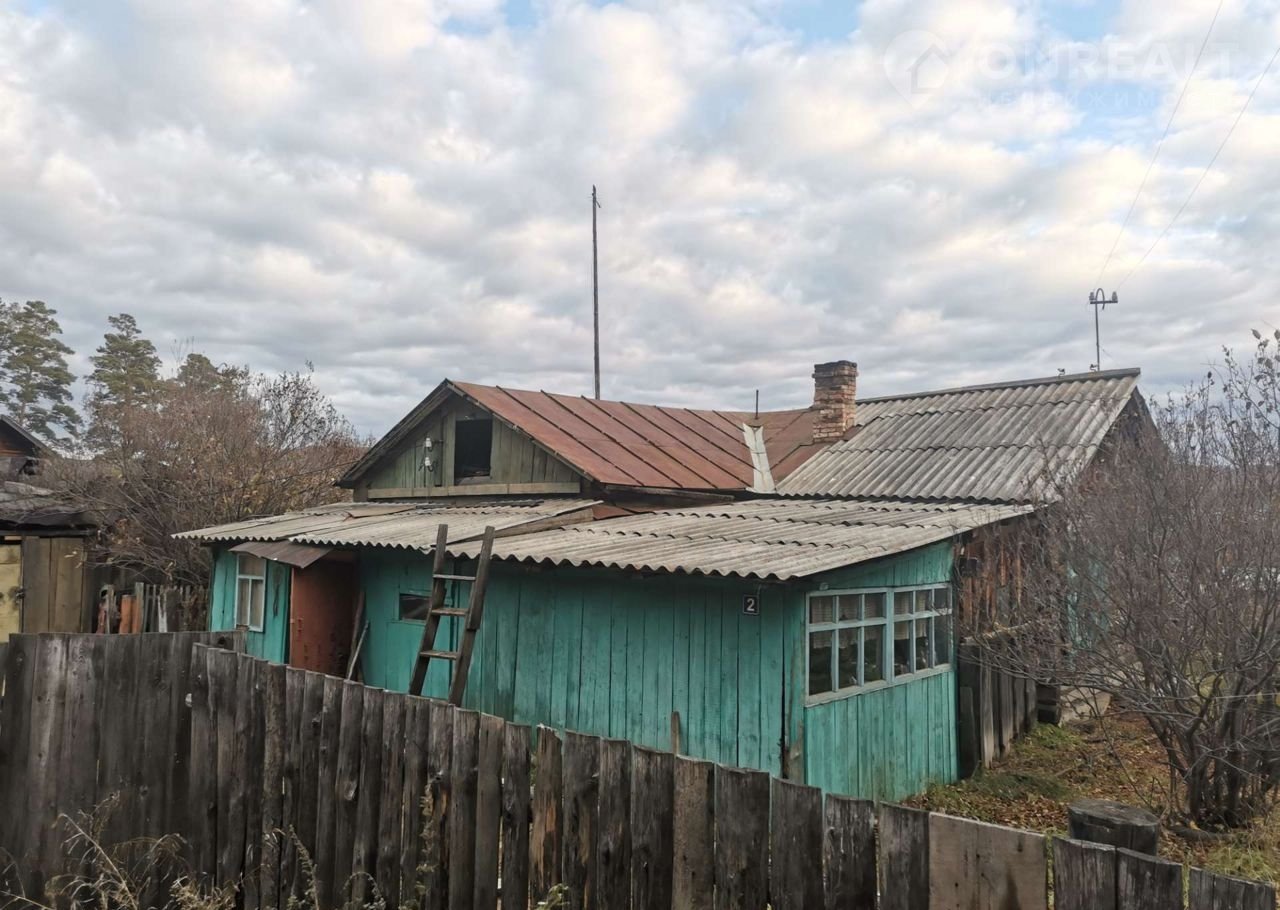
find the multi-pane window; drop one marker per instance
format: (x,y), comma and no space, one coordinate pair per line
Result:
(860,638)
(251,590)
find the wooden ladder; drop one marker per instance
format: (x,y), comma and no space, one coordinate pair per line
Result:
(473,613)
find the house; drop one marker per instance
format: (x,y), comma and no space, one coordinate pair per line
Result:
(775,591)
(46,582)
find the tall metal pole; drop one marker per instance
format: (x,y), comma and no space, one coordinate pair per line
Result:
(1098,300)
(595,287)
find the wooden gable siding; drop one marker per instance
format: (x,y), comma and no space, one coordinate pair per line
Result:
(517,462)
(14,445)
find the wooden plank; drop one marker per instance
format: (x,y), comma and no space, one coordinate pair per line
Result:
(545,840)
(1147,883)
(516,817)
(987,867)
(391,800)
(413,801)
(116,782)
(250,704)
(1084,876)
(15,729)
(742,838)
(42,847)
(1209,891)
(462,809)
(580,818)
(364,850)
(488,811)
(347,790)
(436,811)
(795,846)
(273,745)
(693,834)
(291,771)
(327,792)
(230,824)
(849,852)
(202,793)
(613,862)
(904,858)
(179,745)
(312,746)
(77,762)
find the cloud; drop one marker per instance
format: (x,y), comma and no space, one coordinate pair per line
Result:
(398,191)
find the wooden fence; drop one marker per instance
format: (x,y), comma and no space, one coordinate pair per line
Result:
(995,708)
(409,801)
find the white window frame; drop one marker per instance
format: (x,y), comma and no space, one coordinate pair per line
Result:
(887,625)
(257,582)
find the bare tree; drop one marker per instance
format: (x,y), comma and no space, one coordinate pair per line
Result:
(212,445)
(1156,578)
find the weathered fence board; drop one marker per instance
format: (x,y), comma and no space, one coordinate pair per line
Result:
(272,772)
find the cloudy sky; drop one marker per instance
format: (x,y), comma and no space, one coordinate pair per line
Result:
(399,190)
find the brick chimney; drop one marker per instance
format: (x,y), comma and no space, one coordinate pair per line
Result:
(835,393)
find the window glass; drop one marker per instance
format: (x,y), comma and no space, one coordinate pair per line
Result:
(923,651)
(902,645)
(822,609)
(873,648)
(820,663)
(941,640)
(414,606)
(942,598)
(248,564)
(901,602)
(847,658)
(244,588)
(850,605)
(873,605)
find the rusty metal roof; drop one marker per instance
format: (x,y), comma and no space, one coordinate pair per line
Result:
(766,539)
(996,443)
(623,444)
(407,525)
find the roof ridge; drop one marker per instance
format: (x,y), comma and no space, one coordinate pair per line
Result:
(1013,384)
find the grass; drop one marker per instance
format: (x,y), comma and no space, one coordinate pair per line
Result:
(1114,758)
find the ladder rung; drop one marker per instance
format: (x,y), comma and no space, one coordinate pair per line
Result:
(444,577)
(450,611)
(447,655)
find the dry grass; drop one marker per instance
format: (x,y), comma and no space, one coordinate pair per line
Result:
(1113,758)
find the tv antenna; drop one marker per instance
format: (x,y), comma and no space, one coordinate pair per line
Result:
(1098,300)
(595,287)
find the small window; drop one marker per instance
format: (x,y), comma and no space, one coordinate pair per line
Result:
(251,591)
(859,638)
(414,606)
(473,449)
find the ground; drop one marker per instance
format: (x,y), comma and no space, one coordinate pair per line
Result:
(1113,758)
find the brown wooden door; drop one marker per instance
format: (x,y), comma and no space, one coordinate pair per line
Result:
(10,589)
(53,585)
(321,611)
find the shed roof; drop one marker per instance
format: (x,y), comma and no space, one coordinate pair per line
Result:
(994,443)
(624,444)
(25,506)
(766,539)
(403,525)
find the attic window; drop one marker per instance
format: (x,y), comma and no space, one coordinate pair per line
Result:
(473,449)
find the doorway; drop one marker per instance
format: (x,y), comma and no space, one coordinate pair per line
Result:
(322,603)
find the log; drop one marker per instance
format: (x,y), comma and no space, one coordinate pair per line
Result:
(1115,824)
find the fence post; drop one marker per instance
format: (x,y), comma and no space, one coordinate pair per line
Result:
(1084,876)
(545,845)
(795,843)
(742,839)
(904,858)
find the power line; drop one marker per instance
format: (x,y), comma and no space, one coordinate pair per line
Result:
(1182,208)
(1159,145)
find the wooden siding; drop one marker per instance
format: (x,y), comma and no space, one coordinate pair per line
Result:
(515,458)
(270,643)
(606,654)
(890,742)
(55,574)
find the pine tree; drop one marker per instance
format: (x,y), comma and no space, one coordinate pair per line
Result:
(126,371)
(35,383)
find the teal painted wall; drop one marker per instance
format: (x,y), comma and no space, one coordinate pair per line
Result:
(271,642)
(614,654)
(890,742)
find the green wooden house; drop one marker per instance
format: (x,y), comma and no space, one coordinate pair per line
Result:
(775,591)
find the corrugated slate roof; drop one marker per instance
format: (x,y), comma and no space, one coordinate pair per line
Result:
(994,443)
(411,526)
(767,539)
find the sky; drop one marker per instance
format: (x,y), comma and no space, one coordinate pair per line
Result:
(398,191)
